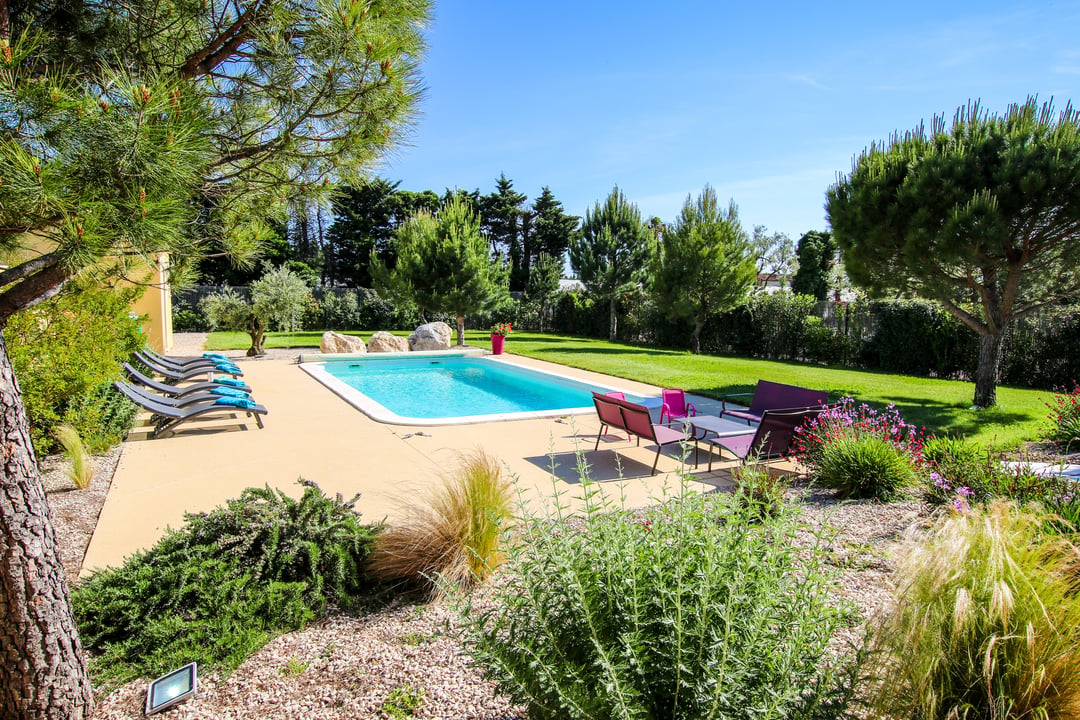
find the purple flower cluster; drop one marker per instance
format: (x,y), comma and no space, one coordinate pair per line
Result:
(849,419)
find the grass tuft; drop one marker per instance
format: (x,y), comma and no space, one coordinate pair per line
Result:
(986,623)
(82,468)
(452,538)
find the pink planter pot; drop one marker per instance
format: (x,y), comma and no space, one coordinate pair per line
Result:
(497,342)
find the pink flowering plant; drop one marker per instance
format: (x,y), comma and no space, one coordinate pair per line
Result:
(1064,420)
(859,451)
(503,329)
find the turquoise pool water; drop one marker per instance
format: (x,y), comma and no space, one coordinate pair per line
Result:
(430,388)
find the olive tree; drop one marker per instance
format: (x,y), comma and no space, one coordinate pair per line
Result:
(276,299)
(705,263)
(982,215)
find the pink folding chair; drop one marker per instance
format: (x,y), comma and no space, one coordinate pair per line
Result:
(618,396)
(675,405)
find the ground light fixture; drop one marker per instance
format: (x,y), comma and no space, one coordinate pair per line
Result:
(171,689)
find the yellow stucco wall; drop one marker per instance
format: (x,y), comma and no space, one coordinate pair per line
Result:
(156,305)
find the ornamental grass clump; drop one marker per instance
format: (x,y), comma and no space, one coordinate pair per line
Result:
(697,608)
(985,623)
(453,537)
(81,471)
(860,452)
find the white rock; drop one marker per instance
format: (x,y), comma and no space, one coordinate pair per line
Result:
(333,342)
(432,336)
(383,341)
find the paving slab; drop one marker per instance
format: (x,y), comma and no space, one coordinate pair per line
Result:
(312,433)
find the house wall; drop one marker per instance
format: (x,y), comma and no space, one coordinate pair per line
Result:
(156,306)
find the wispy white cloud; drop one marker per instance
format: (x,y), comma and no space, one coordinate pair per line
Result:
(807,80)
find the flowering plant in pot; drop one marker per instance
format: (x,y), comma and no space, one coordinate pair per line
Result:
(502,329)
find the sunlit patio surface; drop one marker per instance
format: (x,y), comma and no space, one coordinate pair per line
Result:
(314,434)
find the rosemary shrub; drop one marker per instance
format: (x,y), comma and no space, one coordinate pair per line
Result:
(220,587)
(699,608)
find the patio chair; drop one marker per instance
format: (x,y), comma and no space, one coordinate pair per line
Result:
(637,421)
(134,391)
(675,405)
(773,396)
(177,390)
(166,418)
(193,373)
(771,440)
(618,395)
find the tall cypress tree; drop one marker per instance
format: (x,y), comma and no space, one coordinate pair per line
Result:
(816,253)
(550,229)
(501,218)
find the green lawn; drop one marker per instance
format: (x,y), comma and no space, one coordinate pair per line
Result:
(940,405)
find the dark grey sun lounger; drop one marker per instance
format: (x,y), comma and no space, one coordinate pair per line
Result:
(180,363)
(166,418)
(176,390)
(133,392)
(189,374)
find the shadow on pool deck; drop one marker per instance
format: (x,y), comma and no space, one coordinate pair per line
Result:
(312,433)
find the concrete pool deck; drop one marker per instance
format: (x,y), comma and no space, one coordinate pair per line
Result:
(312,433)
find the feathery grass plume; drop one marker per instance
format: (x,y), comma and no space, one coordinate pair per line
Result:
(986,623)
(454,535)
(82,469)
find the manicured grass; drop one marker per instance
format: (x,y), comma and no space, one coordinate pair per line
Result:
(940,405)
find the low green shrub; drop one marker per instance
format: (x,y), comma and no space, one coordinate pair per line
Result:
(865,467)
(696,608)
(759,489)
(403,702)
(985,623)
(220,587)
(860,452)
(1063,426)
(453,536)
(65,353)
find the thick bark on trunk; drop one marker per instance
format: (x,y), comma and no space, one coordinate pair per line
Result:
(614,319)
(460,330)
(695,339)
(42,668)
(986,375)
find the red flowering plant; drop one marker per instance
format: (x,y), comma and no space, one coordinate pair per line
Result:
(1064,419)
(860,451)
(503,329)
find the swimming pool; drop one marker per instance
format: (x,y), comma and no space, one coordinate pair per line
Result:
(451,389)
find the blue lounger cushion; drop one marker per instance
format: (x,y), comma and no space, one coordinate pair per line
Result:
(215,356)
(227,367)
(232,382)
(226,391)
(236,402)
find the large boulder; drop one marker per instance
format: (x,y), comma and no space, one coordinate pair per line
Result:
(333,342)
(383,341)
(432,336)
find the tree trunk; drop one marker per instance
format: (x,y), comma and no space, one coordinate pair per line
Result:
(460,330)
(614,319)
(986,375)
(42,669)
(695,338)
(258,333)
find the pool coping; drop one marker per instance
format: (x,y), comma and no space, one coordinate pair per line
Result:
(314,365)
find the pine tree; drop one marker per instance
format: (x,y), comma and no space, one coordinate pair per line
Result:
(443,264)
(705,263)
(612,254)
(127,130)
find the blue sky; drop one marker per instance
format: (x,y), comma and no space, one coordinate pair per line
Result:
(766,102)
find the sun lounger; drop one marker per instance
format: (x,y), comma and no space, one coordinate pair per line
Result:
(187,362)
(178,390)
(193,373)
(166,418)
